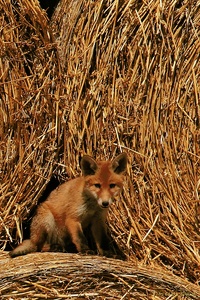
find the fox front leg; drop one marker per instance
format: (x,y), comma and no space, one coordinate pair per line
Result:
(99,232)
(78,238)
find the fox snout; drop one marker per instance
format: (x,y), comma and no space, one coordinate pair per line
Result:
(104,203)
(104,196)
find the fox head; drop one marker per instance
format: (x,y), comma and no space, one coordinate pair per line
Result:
(104,179)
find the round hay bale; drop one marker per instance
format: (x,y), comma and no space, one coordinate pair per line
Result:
(29,112)
(69,276)
(98,79)
(132,73)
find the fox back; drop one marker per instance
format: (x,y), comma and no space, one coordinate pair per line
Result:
(76,205)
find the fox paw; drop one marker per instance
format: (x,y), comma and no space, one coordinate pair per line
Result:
(88,252)
(108,254)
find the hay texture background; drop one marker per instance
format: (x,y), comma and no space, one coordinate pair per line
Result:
(103,77)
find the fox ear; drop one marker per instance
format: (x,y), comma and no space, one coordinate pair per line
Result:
(88,165)
(119,163)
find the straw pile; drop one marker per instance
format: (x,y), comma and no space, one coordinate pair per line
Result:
(100,78)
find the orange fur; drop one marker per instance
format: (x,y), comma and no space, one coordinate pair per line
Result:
(75,205)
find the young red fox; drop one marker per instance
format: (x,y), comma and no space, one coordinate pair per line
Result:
(75,205)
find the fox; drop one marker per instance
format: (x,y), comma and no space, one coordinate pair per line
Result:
(75,205)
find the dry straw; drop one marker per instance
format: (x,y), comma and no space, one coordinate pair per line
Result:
(100,78)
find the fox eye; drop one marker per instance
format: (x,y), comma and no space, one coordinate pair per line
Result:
(97,185)
(112,185)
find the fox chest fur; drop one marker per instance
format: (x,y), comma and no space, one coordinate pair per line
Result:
(73,200)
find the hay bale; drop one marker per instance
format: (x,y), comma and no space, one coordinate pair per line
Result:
(69,276)
(132,77)
(122,75)
(29,102)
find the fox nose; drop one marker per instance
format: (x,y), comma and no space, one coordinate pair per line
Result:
(105,204)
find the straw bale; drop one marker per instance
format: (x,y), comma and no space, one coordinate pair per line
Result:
(132,75)
(104,77)
(29,102)
(73,276)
